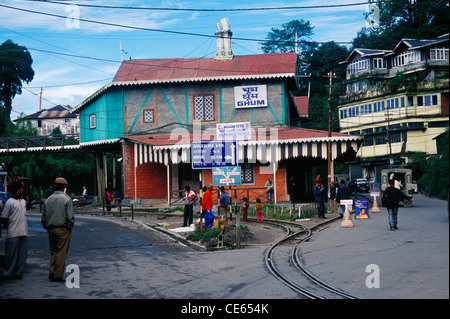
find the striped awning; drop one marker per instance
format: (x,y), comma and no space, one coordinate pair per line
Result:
(158,150)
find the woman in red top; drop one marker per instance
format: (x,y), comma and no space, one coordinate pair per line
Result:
(207,204)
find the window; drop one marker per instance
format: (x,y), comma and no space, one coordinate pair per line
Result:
(204,109)
(149,116)
(92,121)
(343,114)
(427,100)
(358,66)
(410,99)
(368,141)
(247,173)
(439,54)
(392,103)
(378,106)
(381,139)
(396,138)
(379,63)
(366,108)
(353,111)
(406,57)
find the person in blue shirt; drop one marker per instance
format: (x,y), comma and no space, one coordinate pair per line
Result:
(224,202)
(319,192)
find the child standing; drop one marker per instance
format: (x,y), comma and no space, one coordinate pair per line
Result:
(245,208)
(259,208)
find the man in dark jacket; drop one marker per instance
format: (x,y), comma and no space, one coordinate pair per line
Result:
(319,192)
(394,196)
(343,192)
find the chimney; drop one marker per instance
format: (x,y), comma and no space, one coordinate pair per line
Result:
(223,35)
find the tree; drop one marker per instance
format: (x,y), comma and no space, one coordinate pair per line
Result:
(414,19)
(283,39)
(318,61)
(15,68)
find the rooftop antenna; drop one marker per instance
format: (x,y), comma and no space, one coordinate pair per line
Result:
(122,51)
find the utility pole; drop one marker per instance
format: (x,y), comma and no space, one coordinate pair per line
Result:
(388,129)
(331,75)
(40,100)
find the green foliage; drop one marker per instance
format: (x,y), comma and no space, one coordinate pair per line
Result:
(15,68)
(76,167)
(436,172)
(283,39)
(199,234)
(405,19)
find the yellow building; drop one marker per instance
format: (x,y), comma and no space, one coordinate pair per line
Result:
(397,100)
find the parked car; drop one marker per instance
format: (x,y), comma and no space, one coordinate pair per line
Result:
(359,185)
(362,185)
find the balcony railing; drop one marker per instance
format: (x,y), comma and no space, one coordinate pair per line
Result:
(39,142)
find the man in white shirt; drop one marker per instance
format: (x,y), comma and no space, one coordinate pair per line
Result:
(16,236)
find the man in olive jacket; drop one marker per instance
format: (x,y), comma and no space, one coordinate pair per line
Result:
(58,220)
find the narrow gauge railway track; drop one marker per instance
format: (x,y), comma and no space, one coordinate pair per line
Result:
(283,263)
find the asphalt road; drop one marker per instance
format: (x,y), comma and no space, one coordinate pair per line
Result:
(123,259)
(411,262)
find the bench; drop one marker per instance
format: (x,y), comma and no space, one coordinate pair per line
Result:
(124,203)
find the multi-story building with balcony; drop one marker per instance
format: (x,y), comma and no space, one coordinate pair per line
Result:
(397,100)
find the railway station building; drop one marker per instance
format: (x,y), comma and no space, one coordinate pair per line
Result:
(155,108)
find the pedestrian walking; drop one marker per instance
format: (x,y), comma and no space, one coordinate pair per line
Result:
(108,199)
(269,190)
(189,200)
(84,193)
(207,204)
(332,198)
(224,202)
(318,192)
(343,192)
(391,197)
(245,206)
(13,216)
(58,219)
(259,208)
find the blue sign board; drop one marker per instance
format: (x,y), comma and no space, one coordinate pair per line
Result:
(209,154)
(226,176)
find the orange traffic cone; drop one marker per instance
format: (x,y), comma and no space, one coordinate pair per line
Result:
(346,219)
(375,208)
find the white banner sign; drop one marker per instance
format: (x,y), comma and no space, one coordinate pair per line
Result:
(234,131)
(250,96)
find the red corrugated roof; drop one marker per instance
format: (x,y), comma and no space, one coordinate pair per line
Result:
(259,135)
(301,103)
(179,68)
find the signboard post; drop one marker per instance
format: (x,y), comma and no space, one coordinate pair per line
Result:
(226,176)
(375,208)
(209,154)
(233,131)
(361,209)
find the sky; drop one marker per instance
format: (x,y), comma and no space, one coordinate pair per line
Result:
(77,48)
